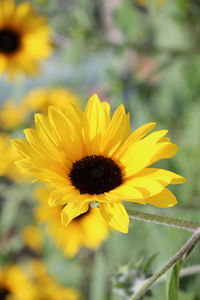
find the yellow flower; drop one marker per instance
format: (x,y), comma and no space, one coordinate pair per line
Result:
(87,230)
(46,286)
(24,38)
(40,99)
(8,155)
(37,284)
(32,236)
(11,115)
(89,156)
(14,284)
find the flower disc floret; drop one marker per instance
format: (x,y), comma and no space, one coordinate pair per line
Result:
(95,175)
(91,156)
(4,293)
(9,41)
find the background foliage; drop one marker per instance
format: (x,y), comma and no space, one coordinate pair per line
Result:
(144,54)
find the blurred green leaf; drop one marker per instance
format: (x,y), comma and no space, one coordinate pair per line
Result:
(173,285)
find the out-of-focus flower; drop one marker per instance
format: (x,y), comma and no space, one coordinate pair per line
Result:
(32,237)
(88,156)
(24,38)
(11,115)
(39,100)
(47,287)
(14,284)
(36,284)
(88,230)
(8,156)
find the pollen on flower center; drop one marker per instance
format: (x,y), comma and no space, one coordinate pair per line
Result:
(4,292)
(9,41)
(95,174)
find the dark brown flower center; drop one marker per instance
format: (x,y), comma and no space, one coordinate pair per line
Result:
(9,41)
(95,174)
(4,292)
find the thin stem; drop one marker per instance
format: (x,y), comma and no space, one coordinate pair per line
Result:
(191,242)
(168,221)
(188,271)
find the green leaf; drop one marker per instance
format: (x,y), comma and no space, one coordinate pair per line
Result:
(173,285)
(149,262)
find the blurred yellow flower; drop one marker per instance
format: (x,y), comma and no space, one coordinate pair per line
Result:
(88,230)
(47,287)
(32,237)
(11,115)
(8,156)
(37,284)
(87,156)
(40,99)
(24,38)
(15,285)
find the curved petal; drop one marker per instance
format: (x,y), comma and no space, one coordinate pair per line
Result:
(126,193)
(154,180)
(135,136)
(68,136)
(73,210)
(163,200)
(136,158)
(94,124)
(151,185)
(161,175)
(62,196)
(115,215)
(117,131)
(164,150)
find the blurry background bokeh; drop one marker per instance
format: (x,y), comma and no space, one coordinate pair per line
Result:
(146,55)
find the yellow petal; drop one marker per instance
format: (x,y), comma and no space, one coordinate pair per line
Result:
(72,239)
(62,196)
(163,150)
(115,215)
(117,131)
(164,176)
(94,124)
(163,200)
(94,228)
(135,136)
(136,158)
(73,210)
(143,130)
(22,147)
(154,180)
(138,155)
(151,186)
(125,192)
(69,138)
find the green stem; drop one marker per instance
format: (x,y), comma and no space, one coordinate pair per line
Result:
(168,221)
(191,242)
(188,271)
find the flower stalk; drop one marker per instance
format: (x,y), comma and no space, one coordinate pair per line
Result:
(187,247)
(163,220)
